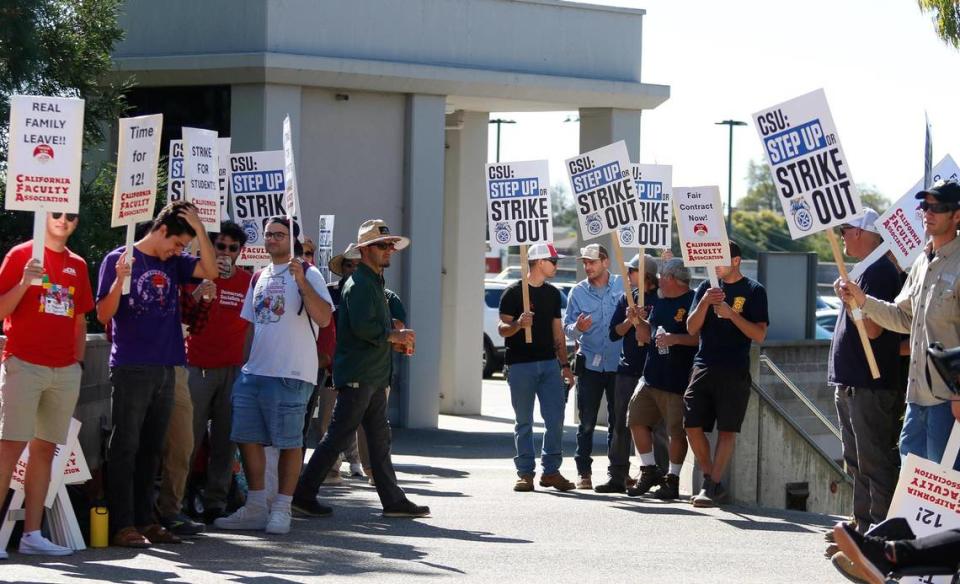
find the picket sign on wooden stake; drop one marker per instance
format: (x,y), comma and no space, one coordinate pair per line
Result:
(857,315)
(525,289)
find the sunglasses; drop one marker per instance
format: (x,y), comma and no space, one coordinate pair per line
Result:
(937,207)
(551,260)
(233,247)
(383,245)
(278,235)
(71,217)
(347,265)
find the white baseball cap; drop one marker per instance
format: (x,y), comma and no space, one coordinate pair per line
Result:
(543,251)
(865,221)
(594,251)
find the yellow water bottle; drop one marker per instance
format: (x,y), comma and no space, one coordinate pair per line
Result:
(99,527)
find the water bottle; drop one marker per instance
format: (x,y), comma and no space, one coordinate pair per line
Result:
(662,331)
(99,527)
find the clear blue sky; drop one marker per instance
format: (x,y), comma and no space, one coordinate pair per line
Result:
(879,61)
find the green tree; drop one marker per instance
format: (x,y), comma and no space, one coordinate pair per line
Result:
(946,19)
(564,213)
(761,193)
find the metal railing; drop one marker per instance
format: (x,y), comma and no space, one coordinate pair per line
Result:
(764,360)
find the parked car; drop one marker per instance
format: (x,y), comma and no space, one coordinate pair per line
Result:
(827,319)
(493,343)
(826,302)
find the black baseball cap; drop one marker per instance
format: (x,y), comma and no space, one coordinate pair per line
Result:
(944,191)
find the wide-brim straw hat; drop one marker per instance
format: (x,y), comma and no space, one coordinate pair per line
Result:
(375,230)
(336,262)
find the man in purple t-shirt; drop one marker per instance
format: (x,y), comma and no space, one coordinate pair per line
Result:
(147,345)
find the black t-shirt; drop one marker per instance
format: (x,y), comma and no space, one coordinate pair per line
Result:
(670,372)
(848,363)
(721,342)
(545,306)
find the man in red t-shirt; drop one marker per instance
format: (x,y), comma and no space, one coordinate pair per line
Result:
(215,351)
(42,364)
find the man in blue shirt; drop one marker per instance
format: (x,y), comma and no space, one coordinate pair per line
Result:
(589,309)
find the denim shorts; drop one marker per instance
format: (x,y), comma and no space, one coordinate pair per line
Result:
(269,410)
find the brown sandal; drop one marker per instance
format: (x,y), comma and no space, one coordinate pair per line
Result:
(131,538)
(156,533)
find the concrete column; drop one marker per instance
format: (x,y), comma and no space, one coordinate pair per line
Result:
(256,116)
(463,264)
(423,222)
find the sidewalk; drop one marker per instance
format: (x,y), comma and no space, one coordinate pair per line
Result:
(480,531)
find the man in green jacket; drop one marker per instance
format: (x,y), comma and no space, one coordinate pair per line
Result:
(361,375)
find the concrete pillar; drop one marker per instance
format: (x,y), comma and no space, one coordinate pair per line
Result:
(464,211)
(256,116)
(423,222)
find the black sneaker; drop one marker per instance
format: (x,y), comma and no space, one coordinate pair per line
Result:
(310,507)
(650,476)
(613,485)
(406,508)
(180,524)
(211,515)
(669,489)
(705,497)
(866,551)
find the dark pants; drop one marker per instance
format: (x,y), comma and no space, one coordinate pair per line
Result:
(620,438)
(142,402)
(940,549)
(365,405)
(592,386)
(210,391)
(869,427)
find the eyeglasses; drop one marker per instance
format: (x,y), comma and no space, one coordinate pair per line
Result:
(844,228)
(233,247)
(278,235)
(71,217)
(937,207)
(383,245)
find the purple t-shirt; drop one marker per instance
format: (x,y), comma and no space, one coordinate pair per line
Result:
(146,327)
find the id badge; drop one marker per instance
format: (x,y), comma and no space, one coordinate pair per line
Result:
(597,359)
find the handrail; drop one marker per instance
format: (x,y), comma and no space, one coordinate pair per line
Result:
(803,398)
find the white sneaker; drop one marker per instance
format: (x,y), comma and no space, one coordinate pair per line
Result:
(356,470)
(245,517)
(41,546)
(279,522)
(3,555)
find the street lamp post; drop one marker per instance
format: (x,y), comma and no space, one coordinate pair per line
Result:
(499,122)
(730,124)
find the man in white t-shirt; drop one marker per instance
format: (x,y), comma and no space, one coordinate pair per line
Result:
(287,305)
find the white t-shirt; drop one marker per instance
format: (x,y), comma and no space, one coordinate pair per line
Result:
(283,343)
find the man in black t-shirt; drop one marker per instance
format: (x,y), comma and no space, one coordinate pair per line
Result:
(665,377)
(868,409)
(536,370)
(728,319)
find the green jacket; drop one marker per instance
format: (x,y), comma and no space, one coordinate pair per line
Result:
(363,322)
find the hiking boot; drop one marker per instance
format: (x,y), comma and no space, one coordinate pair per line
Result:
(246,517)
(613,485)
(557,481)
(406,508)
(524,484)
(310,507)
(650,476)
(669,489)
(847,568)
(584,482)
(180,524)
(865,551)
(41,546)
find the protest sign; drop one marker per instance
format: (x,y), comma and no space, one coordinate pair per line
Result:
(603,190)
(201,175)
(808,165)
(289,176)
(175,182)
(325,245)
(703,234)
(135,188)
(44,152)
(927,496)
(654,193)
(518,203)
(256,192)
(901,226)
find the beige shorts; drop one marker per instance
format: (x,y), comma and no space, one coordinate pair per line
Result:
(37,401)
(649,405)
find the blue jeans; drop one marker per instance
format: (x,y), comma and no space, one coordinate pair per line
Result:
(540,380)
(926,430)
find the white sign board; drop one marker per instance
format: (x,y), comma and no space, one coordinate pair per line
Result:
(603,190)
(654,194)
(175,182)
(902,224)
(518,203)
(290,198)
(68,466)
(201,174)
(135,190)
(325,245)
(44,152)
(257,191)
(703,234)
(808,166)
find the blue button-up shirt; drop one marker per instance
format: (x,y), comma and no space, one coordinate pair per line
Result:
(600,352)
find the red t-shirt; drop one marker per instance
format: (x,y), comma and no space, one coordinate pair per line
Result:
(220,340)
(42,328)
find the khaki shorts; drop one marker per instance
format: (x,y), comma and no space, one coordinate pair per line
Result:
(37,401)
(649,405)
